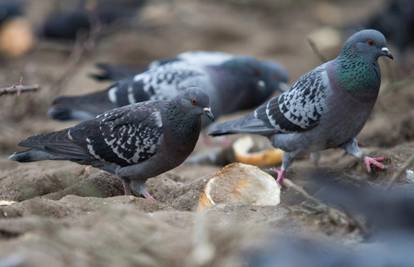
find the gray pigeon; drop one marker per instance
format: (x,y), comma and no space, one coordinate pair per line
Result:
(236,84)
(325,108)
(134,142)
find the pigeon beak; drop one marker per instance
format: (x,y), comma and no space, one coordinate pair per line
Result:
(208,113)
(386,52)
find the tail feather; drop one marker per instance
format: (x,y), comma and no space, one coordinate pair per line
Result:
(109,72)
(56,146)
(248,124)
(83,107)
(32,155)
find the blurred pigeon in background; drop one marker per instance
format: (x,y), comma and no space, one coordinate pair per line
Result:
(68,24)
(134,142)
(10,9)
(236,84)
(325,108)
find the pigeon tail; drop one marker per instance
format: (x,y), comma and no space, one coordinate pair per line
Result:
(245,125)
(51,146)
(31,155)
(83,107)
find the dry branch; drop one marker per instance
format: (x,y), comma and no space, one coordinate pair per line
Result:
(18,89)
(315,49)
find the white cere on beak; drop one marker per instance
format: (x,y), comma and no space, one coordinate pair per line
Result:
(207,109)
(385,49)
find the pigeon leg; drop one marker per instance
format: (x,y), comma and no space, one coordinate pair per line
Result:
(135,176)
(139,188)
(353,149)
(127,188)
(281,172)
(280,175)
(374,161)
(315,158)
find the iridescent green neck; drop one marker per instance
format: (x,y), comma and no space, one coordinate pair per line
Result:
(357,74)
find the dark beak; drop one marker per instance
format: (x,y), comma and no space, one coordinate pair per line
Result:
(208,113)
(386,52)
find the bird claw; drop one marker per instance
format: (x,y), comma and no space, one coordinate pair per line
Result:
(147,195)
(375,162)
(280,175)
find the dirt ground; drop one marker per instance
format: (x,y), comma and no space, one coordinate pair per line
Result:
(61,214)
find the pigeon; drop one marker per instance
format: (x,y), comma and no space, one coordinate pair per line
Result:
(233,85)
(325,108)
(133,142)
(204,58)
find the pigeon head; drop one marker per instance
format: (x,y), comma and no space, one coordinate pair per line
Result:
(357,69)
(370,44)
(196,102)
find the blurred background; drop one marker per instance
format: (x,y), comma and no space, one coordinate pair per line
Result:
(57,43)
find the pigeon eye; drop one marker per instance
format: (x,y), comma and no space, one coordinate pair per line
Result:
(370,42)
(194,102)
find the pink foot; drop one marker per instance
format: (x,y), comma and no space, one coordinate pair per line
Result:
(280,175)
(147,195)
(375,161)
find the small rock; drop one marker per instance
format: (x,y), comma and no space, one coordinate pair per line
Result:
(240,184)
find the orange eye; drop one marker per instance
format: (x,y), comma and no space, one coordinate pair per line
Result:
(370,42)
(194,102)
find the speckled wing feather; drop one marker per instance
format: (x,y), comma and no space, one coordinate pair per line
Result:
(300,108)
(296,110)
(124,136)
(161,83)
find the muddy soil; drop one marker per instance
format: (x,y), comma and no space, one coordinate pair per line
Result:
(63,214)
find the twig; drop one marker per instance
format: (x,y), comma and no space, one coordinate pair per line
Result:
(315,49)
(81,51)
(18,89)
(405,166)
(333,213)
